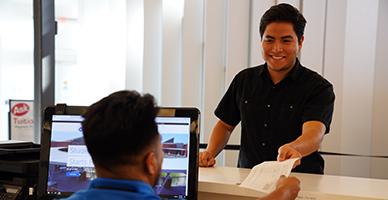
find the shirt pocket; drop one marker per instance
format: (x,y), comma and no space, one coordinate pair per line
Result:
(251,111)
(290,115)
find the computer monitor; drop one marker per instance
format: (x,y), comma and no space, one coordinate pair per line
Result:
(66,166)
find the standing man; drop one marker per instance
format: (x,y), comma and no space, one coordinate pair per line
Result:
(123,140)
(284,108)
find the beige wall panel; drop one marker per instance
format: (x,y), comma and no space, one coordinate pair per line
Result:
(361,20)
(379,167)
(334,71)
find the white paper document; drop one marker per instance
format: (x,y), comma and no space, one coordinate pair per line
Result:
(263,177)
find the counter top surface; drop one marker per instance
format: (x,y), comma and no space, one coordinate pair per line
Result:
(226,180)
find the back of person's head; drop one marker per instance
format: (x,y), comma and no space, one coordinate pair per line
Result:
(283,13)
(120,127)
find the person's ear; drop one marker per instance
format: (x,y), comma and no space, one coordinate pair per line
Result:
(301,43)
(151,163)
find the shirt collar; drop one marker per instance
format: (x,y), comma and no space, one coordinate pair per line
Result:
(138,186)
(296,70)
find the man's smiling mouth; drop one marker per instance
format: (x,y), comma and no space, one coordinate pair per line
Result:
(277,57)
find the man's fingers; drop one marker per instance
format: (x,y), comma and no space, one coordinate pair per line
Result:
(202,160)
(297,162)
(205,159)
(211,162)
(281,156)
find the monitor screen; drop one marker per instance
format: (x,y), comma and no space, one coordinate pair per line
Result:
(70,165)
(175,132)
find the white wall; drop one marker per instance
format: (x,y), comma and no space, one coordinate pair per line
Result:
(100,52)
(333,65)
(192,53)
(380,97)
(134,45)
(358,85)
(16,57)
(152,54)
(355,66)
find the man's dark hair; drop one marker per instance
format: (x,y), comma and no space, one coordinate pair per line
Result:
(119,127)
(284,13)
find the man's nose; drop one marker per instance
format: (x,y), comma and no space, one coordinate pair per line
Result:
(277,47)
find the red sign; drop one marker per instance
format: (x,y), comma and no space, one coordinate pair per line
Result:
(20,109)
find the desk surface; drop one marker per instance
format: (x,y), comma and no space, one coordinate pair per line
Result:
(225,181)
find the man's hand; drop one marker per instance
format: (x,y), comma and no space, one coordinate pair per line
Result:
(206,159)
(286,189)
(286,152)
(291,185)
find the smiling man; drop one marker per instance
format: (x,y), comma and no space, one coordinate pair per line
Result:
(284,108)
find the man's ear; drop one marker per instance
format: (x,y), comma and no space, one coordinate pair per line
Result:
(151,164)
(300,43)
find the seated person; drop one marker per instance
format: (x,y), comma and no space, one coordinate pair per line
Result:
(123,140)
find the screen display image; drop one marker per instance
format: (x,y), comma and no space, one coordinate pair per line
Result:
(70,165)
(175,143)
(71,168)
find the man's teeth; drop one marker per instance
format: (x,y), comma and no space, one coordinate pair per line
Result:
(277,57)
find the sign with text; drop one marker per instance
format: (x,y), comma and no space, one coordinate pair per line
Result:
(78,156)
(21,120)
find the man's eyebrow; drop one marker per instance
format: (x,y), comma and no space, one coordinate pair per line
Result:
(268,36)
(284,37)
(287,36)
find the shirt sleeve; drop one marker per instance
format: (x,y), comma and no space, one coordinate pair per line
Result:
(320,106)
(228,108)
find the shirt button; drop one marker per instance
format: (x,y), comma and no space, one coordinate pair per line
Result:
(246,102)
(291,107)
(273,87)
(265,125)
(263,144)
(268,105)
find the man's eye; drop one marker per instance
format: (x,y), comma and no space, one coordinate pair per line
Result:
(286,41)
(268,41)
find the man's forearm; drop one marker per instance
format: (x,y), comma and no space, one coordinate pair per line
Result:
(311,138)
(219,138)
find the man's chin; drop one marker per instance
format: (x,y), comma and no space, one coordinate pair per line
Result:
(280,68)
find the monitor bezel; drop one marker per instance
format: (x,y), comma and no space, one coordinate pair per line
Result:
(194,115)
(45,143)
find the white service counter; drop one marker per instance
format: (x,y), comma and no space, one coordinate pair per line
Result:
(222,183)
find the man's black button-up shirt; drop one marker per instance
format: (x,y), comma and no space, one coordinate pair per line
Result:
(272,115)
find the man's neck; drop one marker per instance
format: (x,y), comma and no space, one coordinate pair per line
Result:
(127,173)
(277,76)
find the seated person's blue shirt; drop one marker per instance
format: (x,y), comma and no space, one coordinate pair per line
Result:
(105,188)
